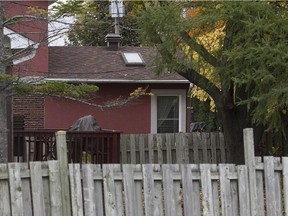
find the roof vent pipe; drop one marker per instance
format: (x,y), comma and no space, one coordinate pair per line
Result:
(113,41)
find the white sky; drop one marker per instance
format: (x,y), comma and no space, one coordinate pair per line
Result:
(59,29)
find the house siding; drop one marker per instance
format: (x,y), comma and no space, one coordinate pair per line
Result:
(131,118)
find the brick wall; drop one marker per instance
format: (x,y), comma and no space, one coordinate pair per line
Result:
(32,108)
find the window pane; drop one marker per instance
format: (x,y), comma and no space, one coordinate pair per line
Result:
(168,126)
(167,114)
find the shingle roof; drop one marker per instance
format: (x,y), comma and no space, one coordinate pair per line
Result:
(99,63)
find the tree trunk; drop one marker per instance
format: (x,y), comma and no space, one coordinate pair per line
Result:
(233,133)
(3,97)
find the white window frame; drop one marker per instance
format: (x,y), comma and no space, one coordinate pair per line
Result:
(181,93)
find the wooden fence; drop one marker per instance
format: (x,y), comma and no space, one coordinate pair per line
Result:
(196,147)
(53,188)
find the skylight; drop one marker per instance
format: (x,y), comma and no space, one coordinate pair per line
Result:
(132,58)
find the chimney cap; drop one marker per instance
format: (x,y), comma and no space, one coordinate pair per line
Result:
(112,37)
(113,41)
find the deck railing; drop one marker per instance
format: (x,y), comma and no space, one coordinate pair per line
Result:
(83,147)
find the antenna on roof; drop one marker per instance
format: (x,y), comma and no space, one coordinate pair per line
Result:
(117,10)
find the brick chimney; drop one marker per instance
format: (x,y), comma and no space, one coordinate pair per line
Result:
(113,41)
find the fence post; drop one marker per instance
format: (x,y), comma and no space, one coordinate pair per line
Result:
(250,163)
(61,146)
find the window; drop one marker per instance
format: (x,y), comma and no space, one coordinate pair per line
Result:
(168,111)
(132,58)
(167,114)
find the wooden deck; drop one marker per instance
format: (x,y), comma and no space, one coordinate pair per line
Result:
(83,147)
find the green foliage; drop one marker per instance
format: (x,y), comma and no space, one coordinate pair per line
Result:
(93,22)
(6,77)
(203,113)
(58,89)
(53,88)
(258,61)
(235,51)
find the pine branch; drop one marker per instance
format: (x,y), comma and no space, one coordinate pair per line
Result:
(117,102)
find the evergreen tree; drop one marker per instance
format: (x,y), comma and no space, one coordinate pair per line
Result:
(236,52)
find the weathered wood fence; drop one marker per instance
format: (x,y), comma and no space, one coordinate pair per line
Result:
(55,188)
(172,148)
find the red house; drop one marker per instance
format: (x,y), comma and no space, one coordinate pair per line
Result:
(116,70)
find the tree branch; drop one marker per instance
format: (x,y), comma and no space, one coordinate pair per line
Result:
(29,18)
(117,102)
(200,49)
(202,82)
(190,74)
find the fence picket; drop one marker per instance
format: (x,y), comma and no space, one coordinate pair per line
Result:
(285,183)
(171,202)
(250,163)
(55,188)
(185,140)
(169,199)
(223,151)
(37,188)
(270,185)
(159,144)
(168,144)
(186,174)
(151,138)
(16,189)
(177,190)
(98,186)
(196,140)
(180,156)
(213,148)
(260,188)
(205,139)
(46,189)
(4,191)
(26,190)
(207,195)
(76,190)
(112,191)
(133,148)
(123,148)
(196,190)
(63,170)
(278,189)
(139,191)
(152,194)
(142,148)
(215,191)
(243,188)
(88,189)
(234,189)
(226,199)
(129,188)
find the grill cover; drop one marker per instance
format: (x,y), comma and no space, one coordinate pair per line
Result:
(86,123)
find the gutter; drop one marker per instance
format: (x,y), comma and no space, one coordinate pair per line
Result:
(74,80)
